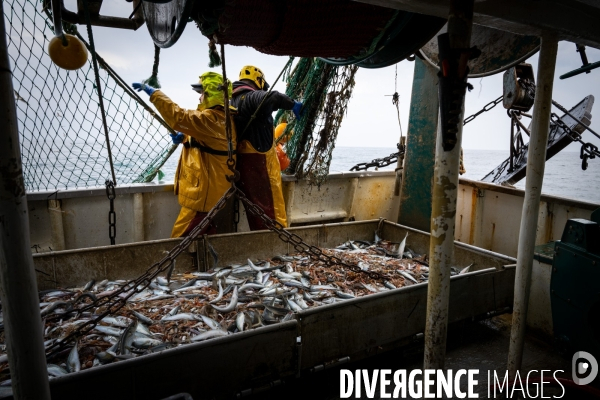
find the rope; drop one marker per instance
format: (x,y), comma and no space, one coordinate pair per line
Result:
(230,161)
(396,102)
(99,90)
(153,80)
(213,55)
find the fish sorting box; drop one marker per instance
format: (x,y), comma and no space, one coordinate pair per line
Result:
(361,318)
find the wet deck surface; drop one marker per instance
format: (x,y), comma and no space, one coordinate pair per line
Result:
(471,345)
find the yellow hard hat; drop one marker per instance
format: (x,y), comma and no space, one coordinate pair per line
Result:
(255,75)
(278,131)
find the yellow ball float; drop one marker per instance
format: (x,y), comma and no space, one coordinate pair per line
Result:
(72,56)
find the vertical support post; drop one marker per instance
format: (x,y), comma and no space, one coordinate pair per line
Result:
(56,225)
(399,167)
(536,160)
(417,174)
(20,304)
(138,217)
(445,193)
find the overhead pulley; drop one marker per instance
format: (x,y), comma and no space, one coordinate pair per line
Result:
(516,94)
(166,20)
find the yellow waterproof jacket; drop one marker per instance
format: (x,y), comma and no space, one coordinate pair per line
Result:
(200,180)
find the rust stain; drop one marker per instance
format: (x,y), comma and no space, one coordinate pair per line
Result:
(12,178)
(474,199)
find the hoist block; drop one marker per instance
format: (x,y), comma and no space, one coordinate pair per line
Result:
(516,95)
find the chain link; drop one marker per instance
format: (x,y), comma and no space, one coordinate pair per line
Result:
(115,301)
(235,176)
(112,216)
(380,162)
(297,242)
(236,213)
(588,150)
(485,108)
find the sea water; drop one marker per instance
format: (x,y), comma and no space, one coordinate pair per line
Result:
(563,176)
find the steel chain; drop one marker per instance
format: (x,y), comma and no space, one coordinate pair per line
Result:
(112,216)
(380,162)
(485,108)
(297,242)
(588,150)
(235,174)
(236,213)
(116,300)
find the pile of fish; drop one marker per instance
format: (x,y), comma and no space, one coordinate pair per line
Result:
(198,306)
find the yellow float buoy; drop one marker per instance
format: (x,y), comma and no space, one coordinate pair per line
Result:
(72,56)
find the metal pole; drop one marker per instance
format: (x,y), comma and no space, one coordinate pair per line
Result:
(443,212)
(531,204)
(18,287)
(417,174)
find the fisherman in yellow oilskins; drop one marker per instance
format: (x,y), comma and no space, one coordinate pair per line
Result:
(200,180)
(257,162)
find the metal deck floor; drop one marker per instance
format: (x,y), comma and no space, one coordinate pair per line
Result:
(471,345)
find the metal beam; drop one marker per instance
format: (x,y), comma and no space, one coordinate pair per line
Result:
(417,175)
(20,303)
(570,20)
(445,184)
(533,190)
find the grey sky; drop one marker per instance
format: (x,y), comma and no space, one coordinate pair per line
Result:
(371,120)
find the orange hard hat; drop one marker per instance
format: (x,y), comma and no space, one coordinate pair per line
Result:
(284,161)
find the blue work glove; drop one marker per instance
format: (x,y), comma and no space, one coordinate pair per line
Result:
(177,137)
(142,86)
(297,109)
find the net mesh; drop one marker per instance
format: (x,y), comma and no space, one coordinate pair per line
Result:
(325,91)
(62,139)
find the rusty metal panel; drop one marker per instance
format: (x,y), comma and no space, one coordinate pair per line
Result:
(356,328)
(375,198)
(219,367)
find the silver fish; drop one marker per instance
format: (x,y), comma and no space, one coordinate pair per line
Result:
(249,286)
(180,317)
(162,281)
(212,324)
(142,318)
(122,322)
(389,285)
(220,296)
(209,335)
(109,330)
(344,295)
(73,363)
(232,303)
(407,276)
(142,342)
(402,245)
(466,269)
(56,370)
